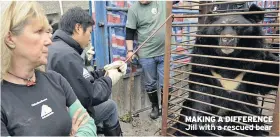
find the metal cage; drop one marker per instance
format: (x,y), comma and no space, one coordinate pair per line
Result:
(267,104)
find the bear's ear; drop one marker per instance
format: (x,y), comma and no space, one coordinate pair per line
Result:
(254,17)
(210,19)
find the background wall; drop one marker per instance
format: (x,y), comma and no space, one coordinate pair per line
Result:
(52,8)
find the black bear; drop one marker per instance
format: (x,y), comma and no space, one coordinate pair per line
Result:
(227,86)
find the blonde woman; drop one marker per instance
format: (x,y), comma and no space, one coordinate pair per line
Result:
(34,103)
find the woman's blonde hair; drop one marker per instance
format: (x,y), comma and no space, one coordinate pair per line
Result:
(14,19)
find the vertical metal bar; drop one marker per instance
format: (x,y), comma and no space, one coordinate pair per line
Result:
(110,44)
(188,30)
(101,35)
(92,34)
(125,4)
(277,20)
(227,7)
(166,67)
(275,130)
(110,49)
(130,90)
(61,7)
(262,105)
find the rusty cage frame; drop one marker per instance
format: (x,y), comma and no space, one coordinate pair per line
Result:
(180,92)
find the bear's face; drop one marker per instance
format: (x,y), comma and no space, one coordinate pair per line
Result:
(233,31)
(230,31)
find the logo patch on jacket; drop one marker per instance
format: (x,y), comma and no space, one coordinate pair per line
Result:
(46,111)
(85,73)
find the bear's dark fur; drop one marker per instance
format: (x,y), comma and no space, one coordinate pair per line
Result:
(247,54)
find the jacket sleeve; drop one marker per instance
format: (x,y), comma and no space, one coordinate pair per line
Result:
(90,91)
(89,128)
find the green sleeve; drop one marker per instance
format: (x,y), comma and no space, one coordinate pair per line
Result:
(88,129)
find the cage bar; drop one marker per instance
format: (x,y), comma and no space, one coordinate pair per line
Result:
(227,36)
(166,71)
(247,82)
(227,99)
(194,100)
(224,14)
(275,131)
(218,25)
(225,47)
(230,58)
(226,68)
(214,3)
(181,76)
(212,86)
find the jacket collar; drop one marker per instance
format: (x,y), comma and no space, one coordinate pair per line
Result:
(62,35)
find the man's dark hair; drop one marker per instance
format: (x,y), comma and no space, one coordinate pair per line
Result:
(55,27)
(50,21)
(72,17)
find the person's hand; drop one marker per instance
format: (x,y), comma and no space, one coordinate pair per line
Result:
(114,74)
(121,65)
(129,54)
(90,53)
(77,121)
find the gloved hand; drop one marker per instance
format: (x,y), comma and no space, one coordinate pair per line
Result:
(114,74)
(98,73)
(117,64)
(90,53)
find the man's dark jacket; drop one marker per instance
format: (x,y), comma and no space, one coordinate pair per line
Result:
(64,57)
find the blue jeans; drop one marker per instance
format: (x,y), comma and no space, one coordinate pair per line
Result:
(153,69)
(106,114)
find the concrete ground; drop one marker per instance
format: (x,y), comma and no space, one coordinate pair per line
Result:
(142,126)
